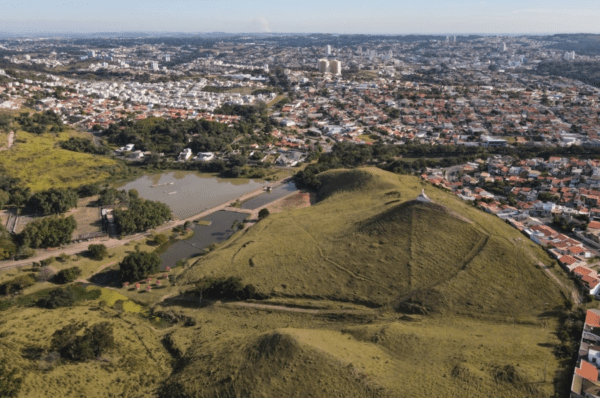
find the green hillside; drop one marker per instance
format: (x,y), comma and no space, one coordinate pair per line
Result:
(369,242)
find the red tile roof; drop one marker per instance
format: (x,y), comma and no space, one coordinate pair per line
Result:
(587,371)
(592,319)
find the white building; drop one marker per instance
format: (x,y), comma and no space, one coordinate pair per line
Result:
(328,49)
(185,155)
(154,66)
(204,156)
(335,67)
(323,66)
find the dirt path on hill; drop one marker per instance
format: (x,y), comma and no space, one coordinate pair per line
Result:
(11,140)
(574,293)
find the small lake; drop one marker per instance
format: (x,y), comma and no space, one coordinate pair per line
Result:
(189,193)
(204,235)
(268,197)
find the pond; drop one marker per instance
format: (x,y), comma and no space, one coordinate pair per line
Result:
(191,193)
(219,230)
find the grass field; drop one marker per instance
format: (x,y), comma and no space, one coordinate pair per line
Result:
(371,295)
(50,166)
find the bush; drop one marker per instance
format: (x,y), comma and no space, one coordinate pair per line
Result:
(58,298)
(226,288)
(67,275)
(160,239)
(94,341)
(263,213)
(45,274)
(138,265)
(63,258)
(17,284)
(98,252)
(47,261)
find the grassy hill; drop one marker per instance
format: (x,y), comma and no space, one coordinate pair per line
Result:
(368,242)
(370,294)
(408,298)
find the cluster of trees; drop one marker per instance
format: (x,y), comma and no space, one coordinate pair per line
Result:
(226,288)
(111,196)
(138,265)
(48,232)
(52,201)
(67,296)
(38,123)
(140,216)
(77,144)
(171,136)
(12,190)
(94,341)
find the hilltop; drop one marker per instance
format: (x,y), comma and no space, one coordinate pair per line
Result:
(380,295)
(369,242)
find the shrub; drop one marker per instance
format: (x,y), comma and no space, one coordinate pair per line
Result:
(58,298)
(97,251)
(138,265)
(17,284)
(46,262)
(226,288)
(67,275)
(160,239)
(45,274)
(64,257)
(263,213)
(94,341)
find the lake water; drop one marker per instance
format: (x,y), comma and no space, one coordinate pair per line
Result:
(268,197)
(190,193)
(204,235)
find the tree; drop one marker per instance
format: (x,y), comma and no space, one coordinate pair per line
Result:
(160,239)
(48,232)
(52,201)
(141,216)
(138,265)
(4,198)
(97,251)
(263,213)
(67,275)
(10,382)
(94,341)
(58,298)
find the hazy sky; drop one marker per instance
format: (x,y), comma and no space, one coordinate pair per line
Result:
(324,16)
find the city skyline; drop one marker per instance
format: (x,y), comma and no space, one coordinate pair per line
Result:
(311,16)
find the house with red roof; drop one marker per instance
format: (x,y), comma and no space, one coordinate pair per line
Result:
(586,382)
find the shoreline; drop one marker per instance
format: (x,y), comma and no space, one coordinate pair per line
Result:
(75,248)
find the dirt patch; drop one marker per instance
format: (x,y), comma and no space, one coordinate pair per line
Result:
(295,201)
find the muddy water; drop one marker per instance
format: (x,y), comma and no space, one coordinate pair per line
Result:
(190,193)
